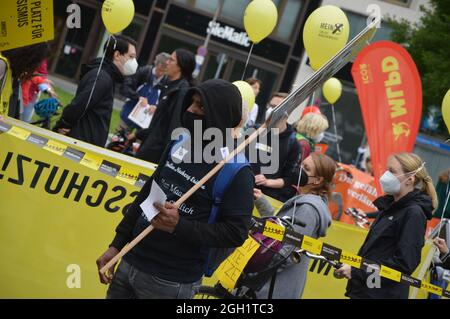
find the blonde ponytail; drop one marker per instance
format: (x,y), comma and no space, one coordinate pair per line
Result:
(410,163)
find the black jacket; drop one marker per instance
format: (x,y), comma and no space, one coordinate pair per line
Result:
(91,124)
(288,151)
(166,118)
(181,256)
(395,240)
(132,82)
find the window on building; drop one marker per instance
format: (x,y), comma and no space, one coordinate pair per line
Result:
(233,11)
(358,22)
(403,3)
(209,6)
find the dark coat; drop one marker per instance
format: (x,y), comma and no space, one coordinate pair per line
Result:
(395,240)
(91,124)
(166,118)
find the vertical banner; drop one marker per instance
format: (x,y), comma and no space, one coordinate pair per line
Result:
(390,94)
(25,22)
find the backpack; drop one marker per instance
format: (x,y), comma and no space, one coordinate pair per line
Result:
(223,180)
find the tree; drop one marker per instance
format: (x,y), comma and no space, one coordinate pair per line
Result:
(428,42)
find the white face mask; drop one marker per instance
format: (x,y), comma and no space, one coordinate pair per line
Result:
(391,184)
(130,67)
(319,137)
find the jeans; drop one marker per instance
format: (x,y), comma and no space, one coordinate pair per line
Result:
(131,283)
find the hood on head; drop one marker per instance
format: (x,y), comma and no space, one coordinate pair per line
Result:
(319,203)
(221,101)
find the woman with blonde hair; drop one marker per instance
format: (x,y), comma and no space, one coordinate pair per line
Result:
(310,130)
(397,235)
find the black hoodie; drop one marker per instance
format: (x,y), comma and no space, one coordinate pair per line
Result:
(181,256)
(92,124)
(395,240)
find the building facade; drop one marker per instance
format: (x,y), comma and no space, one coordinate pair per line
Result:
(165,25)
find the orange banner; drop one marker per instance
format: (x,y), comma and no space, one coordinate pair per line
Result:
(390,94)
(356,189)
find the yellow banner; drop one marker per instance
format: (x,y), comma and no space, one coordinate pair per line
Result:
(57,216)
(231,268)
(25,22)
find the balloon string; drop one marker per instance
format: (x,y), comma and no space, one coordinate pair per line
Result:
(298,189)
(445,207)
(96,78)
(246,63)
(335,133)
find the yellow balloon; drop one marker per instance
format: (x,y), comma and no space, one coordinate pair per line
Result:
(332,90)
(248,96)
(325,33)
(446,110)
(260,18)
(117,14)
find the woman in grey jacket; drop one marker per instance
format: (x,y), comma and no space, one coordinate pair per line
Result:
(309,207)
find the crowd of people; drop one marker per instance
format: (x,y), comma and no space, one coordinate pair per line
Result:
(170,262)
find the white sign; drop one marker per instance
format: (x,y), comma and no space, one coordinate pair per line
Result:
(156,195)
(228,33)
(141,115)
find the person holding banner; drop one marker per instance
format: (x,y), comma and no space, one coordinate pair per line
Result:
(144,87)
(444,252)
(397,235)
(309,207)
(170,261)
(88,116)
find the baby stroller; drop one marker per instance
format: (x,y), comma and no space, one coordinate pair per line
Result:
(262,267)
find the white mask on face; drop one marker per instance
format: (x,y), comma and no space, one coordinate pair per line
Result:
(391,184)
(319,137)
(130,67)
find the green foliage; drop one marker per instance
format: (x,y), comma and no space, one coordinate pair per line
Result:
(428,42)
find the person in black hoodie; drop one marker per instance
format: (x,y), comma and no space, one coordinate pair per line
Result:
(397,235)
(88,116)
(170,261)
(168,113)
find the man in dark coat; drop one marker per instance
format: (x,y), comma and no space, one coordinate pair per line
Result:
(88,116)
(168,112)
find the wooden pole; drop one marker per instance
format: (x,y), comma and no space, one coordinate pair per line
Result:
(183,198)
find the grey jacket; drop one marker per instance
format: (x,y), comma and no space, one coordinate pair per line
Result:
(311,210)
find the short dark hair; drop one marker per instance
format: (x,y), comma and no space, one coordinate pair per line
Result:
(119,43)
(279,94)
(252,81)
(25,60)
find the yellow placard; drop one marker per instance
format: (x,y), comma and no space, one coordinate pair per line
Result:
(431,288)
(91,161)
(231,268)
(25,22)
(55,147)
(312,245)
(19,133)
(273,231)
(127,175)
(390,273)
(351,259)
